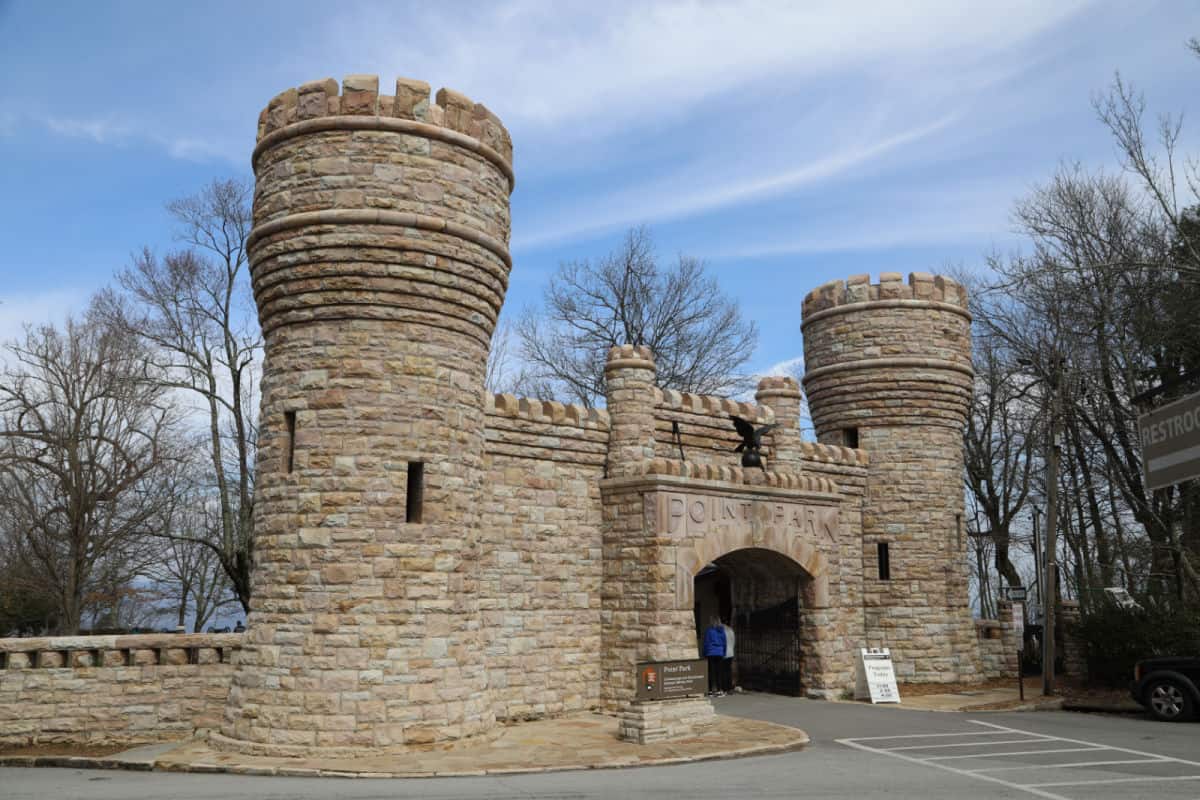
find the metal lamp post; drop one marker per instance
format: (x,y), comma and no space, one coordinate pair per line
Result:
(1049,588)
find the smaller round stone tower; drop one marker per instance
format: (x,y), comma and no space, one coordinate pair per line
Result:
(379,260)
(888,370)
(782,395)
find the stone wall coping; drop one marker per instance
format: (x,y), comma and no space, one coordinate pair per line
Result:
(821,491)
(711,404)
(545,411)
(133,641)
(923,289)
(452,117)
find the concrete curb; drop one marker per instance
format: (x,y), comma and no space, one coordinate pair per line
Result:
(1052,704)
(1101,708)
(798,741)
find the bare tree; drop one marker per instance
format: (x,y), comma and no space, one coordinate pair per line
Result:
(190,577)
(1163,175)
(193,309)
(999,438)
(699,338)
(504,372)
(86,433)
(27,607)
(1104,314)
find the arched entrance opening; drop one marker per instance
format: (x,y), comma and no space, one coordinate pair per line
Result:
(760,594)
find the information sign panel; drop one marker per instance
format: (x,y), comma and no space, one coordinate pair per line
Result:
(1171,442)
(1018,622)
(876,678)
(667,680)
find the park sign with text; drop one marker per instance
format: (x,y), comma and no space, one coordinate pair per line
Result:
(1171,442)
(671,680)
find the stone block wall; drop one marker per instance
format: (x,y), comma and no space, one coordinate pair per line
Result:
(1073,647)
(113,688)
(836,637)
(540,558)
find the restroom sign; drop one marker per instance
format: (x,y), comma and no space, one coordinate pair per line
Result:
(876,678)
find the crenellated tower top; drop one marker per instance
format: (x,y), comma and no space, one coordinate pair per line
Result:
(921,286)
(453,117)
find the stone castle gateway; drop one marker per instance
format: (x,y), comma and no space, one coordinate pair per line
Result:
(433,559)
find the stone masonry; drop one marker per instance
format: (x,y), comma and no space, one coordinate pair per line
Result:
(888,367)
(432,560)
(379,259)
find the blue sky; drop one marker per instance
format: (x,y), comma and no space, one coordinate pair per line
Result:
(787,143)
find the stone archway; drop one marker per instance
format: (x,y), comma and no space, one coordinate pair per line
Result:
(763,596)
(692,557)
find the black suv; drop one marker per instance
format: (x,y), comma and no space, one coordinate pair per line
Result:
(1168,687)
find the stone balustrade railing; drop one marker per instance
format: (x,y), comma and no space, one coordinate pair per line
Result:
(118,651)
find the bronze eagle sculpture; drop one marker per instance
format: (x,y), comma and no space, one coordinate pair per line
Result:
(751,446)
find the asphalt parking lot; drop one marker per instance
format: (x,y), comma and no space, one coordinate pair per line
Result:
(1040,764)
(858,752)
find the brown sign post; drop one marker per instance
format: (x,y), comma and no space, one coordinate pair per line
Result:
(1171,442)
(668,680)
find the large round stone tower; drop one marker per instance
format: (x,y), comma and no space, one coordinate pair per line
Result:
(379,257)
(888,369)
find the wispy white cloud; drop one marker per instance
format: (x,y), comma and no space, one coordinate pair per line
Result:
(569,63)
(19,309)
(115,131)
(695,191)
(101,130)
(789,367)
(745,99)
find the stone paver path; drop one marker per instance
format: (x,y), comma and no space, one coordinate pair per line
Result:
(580,741)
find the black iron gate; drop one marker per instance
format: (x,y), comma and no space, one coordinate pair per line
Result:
(767,648)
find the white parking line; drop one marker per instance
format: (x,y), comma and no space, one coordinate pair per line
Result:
(968,744)
(1017,753)
(1093,744)
(928,735)
(963,772)
(1039,789)
(1072,764)
(1120,780)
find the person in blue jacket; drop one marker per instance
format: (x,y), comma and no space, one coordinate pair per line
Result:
(713,649)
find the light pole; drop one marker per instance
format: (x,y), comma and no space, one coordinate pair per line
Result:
(1037,558)
(1052,525)
(1049,588)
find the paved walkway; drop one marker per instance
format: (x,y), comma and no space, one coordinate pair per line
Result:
(576,742)
(1004,699)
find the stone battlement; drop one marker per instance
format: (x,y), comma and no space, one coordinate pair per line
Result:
(712,405)
(922,286)
(317,105)
(549,411)
(833,454)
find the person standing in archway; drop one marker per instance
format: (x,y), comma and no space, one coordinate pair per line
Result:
(714,650)
(727,660)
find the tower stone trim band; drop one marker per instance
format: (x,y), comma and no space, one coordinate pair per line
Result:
(858,305)
(384,124)
(888,363)
(356,216)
